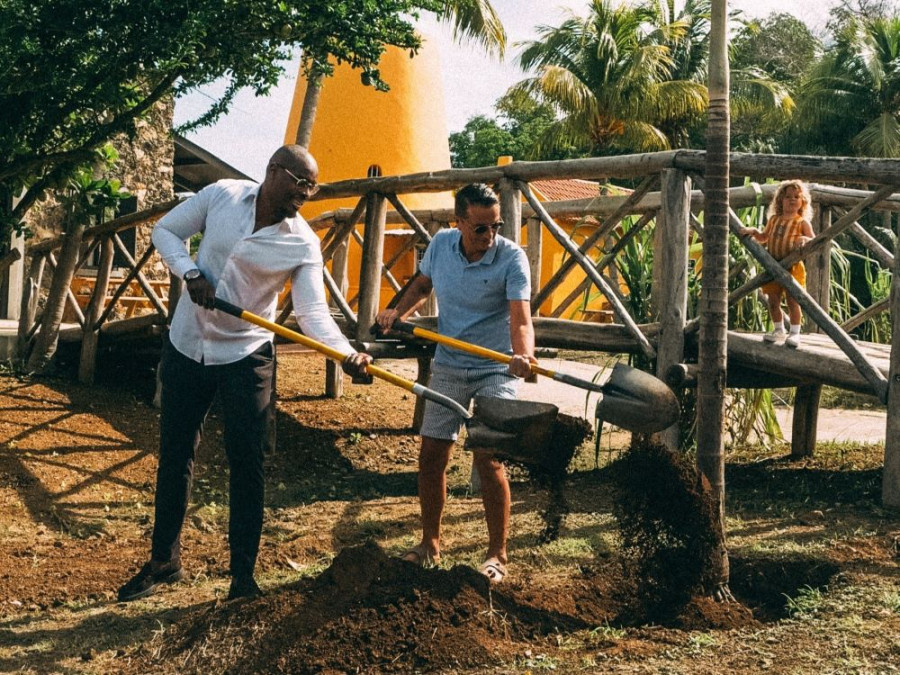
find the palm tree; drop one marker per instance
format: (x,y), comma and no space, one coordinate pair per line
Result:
(472,20)
(633,78)
(714,293)
(753,92)
(610,75)
(851,102)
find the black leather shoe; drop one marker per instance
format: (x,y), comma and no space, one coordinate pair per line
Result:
(144,583)
(244,587)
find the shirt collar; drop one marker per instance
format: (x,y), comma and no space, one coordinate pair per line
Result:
(251,193)
(295,224)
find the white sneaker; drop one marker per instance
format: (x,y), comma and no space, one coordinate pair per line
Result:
(774,336)
(793,340)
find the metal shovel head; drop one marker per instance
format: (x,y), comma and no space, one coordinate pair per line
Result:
(637,401)
(518,430)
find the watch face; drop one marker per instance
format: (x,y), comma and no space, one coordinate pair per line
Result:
(190,275)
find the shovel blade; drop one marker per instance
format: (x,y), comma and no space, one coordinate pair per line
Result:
(518,430)
(637,401)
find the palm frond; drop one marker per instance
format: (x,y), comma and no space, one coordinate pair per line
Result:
(476,20)
(879,138)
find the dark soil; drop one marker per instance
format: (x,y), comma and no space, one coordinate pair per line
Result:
(372,613)
(76,486)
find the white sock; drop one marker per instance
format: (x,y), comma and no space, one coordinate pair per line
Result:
(778,326)
(795,330)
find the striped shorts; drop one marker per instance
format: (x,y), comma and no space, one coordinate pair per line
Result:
(462,385)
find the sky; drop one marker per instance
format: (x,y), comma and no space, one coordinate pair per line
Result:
(247,136)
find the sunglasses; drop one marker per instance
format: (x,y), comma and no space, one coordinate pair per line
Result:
(481,229)
(311,187)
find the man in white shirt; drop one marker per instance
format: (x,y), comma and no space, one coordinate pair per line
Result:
(253,242)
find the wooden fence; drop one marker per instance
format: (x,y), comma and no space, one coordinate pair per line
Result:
(669,193)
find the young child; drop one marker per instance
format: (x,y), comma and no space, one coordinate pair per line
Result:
(787,229)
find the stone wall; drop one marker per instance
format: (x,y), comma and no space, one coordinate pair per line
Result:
(145,168)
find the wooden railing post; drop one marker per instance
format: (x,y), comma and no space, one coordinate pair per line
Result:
(90,334)
(805,423)
(370,266)
(334,376)
(535,234)
(670,278)
(511,210)
(423,374)
(890,481)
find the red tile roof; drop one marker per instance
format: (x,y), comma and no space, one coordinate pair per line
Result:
(558,190)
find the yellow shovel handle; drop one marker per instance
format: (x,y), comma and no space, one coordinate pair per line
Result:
(330,352)
(486,353)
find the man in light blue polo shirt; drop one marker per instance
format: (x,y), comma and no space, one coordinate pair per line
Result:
(483,290)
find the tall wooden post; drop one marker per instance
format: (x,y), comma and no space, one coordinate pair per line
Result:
(535,235)
(430,308)
(511,210)
(370,265)
(334,376)
(806,399)
(90,334)
(14,275)
(670,278)
(890,481)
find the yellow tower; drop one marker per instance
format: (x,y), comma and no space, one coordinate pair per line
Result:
(400,131)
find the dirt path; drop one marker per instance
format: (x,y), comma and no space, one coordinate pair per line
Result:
(838,425)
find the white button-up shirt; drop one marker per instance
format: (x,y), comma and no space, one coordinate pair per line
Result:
(247,268)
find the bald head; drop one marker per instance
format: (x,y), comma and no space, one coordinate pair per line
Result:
(295,158)
(291,179)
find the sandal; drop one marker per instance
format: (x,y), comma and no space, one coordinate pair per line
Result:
(419,555)
(493,569)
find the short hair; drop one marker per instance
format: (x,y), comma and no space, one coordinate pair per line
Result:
(802,188)
(474,193)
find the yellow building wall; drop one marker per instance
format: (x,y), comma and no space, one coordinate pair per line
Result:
(553,255)
(402,131)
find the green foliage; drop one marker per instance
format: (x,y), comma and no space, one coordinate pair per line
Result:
(806,604)
(850,102)
(612,78)
(480,143)
(516,131)
(76,74)
(780,44)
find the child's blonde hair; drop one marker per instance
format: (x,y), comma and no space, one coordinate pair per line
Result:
(775,205)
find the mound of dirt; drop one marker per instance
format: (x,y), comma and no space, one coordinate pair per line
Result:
(372,613)
(367,612)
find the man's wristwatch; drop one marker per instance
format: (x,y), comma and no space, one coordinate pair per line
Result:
(190,275)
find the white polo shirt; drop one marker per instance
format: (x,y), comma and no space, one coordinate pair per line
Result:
(247,268)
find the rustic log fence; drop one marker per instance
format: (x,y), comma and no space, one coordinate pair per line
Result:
(665,195)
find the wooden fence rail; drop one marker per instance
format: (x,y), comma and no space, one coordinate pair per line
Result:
(675,208)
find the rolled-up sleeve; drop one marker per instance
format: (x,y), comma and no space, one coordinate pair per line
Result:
(311,309)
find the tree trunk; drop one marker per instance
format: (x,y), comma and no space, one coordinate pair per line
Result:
(714,291)
(310,107)
(48,335)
